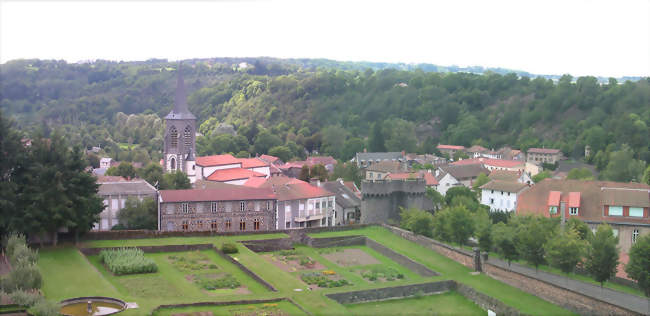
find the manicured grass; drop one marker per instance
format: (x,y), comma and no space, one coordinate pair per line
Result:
(246,309)
(450,303)
(449,269)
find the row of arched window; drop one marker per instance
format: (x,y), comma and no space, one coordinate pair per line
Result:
(187,136)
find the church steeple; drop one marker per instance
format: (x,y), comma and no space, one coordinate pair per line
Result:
(180,110)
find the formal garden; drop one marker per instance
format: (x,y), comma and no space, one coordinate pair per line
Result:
(284,282)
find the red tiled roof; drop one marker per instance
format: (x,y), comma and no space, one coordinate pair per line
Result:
(101,179)
(216,160)
(403,175)
(300,191)
(352,187)
(233,193)
(224,175)
(293,164)
(247,163)
(255,182)
(275,169)
(554,198)
(574,199)
(279,180)
(324,160)
(477,148)
(454,147)
(430,179)
(543,150)
(490,162)
(269,158)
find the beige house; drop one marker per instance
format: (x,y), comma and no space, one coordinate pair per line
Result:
(543,155)
(378,171)
(114,191)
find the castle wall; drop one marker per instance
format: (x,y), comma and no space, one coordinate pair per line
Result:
(381,200)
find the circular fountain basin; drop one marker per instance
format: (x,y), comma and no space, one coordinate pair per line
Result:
(98,306)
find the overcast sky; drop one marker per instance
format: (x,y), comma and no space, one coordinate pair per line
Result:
(603,38)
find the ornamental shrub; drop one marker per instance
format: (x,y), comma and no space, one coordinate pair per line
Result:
(127,261)
(45,308)
(229,248)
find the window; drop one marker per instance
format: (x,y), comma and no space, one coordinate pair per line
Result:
(242,206)
(187,137)
(636,212)
(228,206)
(257,206)
(185,208)
(173,134)
(172,163)
(242,224)
(228,224)
(329,203)
(573,210)
(615,211)
(213,224)
(379,176)
(185,225)
(199,224)
(491,201)
(491,191)
(287,225)
(256,224)
(370,175)
(213,207)
(317,204)
(322,222)
(508,193)
(268,205)
(552,210)
(635,235)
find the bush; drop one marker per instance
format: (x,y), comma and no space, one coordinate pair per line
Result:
(127,261)
(45,308)
(22,255)
(12,241)
(24,298)
(229,248)
(22,277)
(321,280)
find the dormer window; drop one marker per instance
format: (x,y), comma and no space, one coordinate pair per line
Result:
(552,209)
(573,211)
(615,211)
(636,212)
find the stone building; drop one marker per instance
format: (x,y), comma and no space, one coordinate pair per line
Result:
(347,206)
(180,135)
(227,208)
(501,195)
(114,191)
(543,155)
(381,200)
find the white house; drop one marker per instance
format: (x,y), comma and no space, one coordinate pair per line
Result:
(501,195)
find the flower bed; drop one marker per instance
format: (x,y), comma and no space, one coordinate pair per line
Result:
(191,261)
(323,280)
(381,273)
(208,281)
(127,261)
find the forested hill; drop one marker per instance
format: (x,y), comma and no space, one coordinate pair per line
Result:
(332,110)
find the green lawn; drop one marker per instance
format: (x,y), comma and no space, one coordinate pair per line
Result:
(67,273)
(450,303)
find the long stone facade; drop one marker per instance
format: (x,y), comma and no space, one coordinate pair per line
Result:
(218,216)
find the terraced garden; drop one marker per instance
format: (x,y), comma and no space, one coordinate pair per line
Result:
(205,276)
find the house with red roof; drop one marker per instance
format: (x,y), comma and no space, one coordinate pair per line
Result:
(228,169)
(220,208)
(624,206)
(301,204)
(292,168)
(450,149)
(493,164)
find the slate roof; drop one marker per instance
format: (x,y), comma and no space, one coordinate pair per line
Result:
(299,191)
(477,149)
(126,187)
(180,110)
(344,196)
(543,150)
(225,193)
(386,166)
(502,163)
(380,156)
(505,186)
(464,172)
(535,200)
(280,180)
(626,197)
(504,175)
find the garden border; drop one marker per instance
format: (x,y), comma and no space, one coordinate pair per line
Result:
(191,247)
(225,303)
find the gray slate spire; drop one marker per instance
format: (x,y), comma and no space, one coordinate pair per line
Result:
(180,111)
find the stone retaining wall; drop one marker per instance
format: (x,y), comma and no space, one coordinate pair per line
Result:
(393,292)
(239,302)
(568,299)
(151,249)
(268,245)
(342,241)
(139,234)
(246,270)
(486,302)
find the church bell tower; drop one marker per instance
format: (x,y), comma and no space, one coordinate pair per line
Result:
(180,133)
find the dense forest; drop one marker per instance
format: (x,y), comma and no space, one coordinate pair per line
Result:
(294,107)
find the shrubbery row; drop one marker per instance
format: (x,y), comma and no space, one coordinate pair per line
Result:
(127,261)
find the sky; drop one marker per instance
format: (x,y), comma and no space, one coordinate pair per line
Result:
(579,37)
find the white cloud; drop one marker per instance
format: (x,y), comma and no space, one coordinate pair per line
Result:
(607,38)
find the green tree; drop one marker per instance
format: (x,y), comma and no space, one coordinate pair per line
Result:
(400,135)
(541,176)
(480,180)
(458,155)
(564,250)
(265,141)
(282,152)
(11,153)
(504,241)
(124,169)
(435,197)
(646,176)
(601,260)
(138,214)
(580,227)
(417,221)
(152,173)
(458,192)
(530,239)
(318,171)
(580,174)
(176,180)
(622,166)
(333,139)
(376,142)
(638,267)
(351,147)
(460,225)
(304,173)
(347,171)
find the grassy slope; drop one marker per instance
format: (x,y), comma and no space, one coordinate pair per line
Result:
(450,269)
(450,303)
(67,273)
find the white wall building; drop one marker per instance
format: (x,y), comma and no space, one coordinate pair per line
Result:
(501,195)
(114,192)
